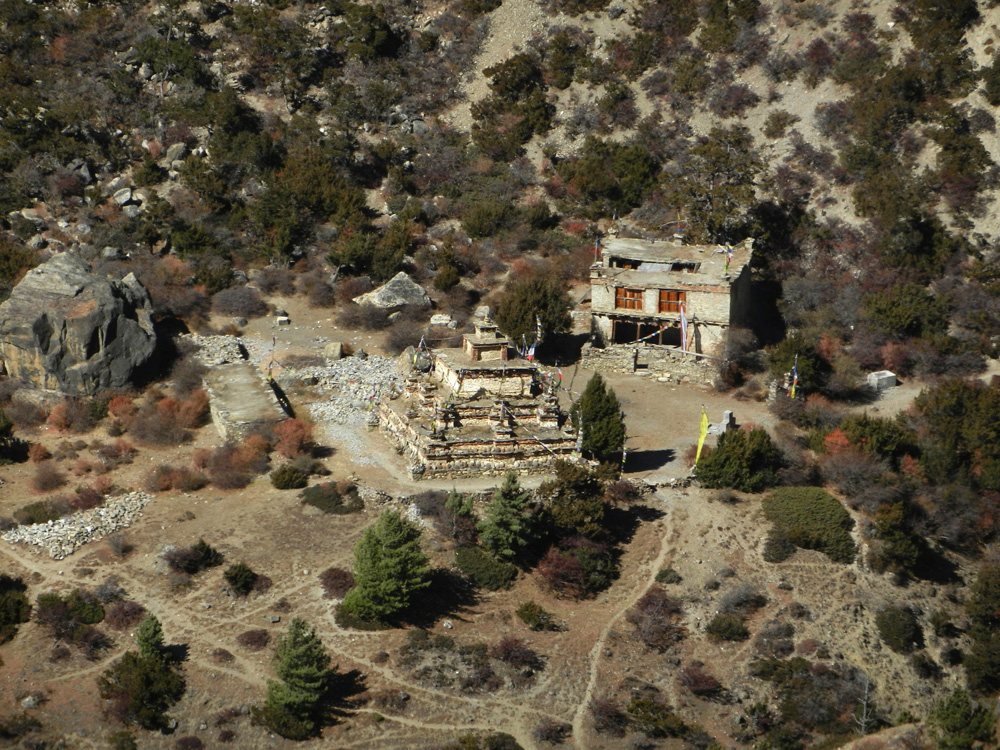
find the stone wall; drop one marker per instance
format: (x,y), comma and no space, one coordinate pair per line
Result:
(459,457)
(494,382)
(663,363)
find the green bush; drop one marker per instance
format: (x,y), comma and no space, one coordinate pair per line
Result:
(289,477)
(727,626)
(811,519)
(535,617)
(85,608)
(744,460)
(668,575)
(655,719)
(240,578)
(899,630)
(193,559)
(485,570)
(40,511)
(329,499)
(14,606)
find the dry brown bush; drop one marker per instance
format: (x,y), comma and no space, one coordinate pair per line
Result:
(47,478)
(254,640)
(124,615)
(336,582)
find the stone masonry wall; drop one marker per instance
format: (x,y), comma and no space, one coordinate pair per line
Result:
(664,363)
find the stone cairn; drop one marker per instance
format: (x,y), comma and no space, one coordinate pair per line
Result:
(66,535)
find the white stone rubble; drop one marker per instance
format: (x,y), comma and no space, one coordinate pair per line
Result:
(66,535)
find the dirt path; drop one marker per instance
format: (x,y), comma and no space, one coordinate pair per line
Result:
(650,569)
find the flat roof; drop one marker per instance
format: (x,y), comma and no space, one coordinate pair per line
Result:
(458,360)
(654,259)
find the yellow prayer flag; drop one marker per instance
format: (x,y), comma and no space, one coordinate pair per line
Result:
(702,433)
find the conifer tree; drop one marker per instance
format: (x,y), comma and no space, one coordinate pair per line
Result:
(389,567)
(292,705)
(150,638)
(510,525)
(603,423)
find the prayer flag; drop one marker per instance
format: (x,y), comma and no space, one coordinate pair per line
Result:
(531,353)
(684,331)
(729,255)
(795,376)
(702,433)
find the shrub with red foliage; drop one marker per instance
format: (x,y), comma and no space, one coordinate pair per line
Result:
(86,498)
(165,477)
(122,407)
(294,437)
(73,415)
(698,681)
(836,442)
(38,453)
(193,411)
(336,582)
(234,466)
(158,425)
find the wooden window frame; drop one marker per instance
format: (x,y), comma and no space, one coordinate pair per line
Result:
(670,300)
(627,298)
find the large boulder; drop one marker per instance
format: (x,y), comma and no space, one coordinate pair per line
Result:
(398,291)
(65,328)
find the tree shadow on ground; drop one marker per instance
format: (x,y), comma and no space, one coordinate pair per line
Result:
(449,595)
(935,567)
(343,696)
(564,350)
(622,523)
(177,652)
(649,460)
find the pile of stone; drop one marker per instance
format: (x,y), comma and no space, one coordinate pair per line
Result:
(218,350)
(356,384)
(65,536)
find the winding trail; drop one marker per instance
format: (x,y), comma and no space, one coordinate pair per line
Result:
(594,657)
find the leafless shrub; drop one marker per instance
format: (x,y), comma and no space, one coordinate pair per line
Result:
(119,544)
(273,280)
(239,302)
(552,732)
(110,590)
(336,582)
(253,640)
(47,478)
(654,618)
(609,718)
(125,615)
(221,656)
(25,414)
(514,652)
(698,681)
(742,600)
(365,317)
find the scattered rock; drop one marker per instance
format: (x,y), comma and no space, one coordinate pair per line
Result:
(441,319)
(176,152)
(123,196)
(334,351)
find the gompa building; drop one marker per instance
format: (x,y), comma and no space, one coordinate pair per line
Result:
(640,288)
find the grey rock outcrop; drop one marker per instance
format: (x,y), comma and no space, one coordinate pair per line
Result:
(65,328)
(397,291)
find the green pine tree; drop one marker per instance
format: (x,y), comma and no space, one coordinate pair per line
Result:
(510,525)
(603,422)
(962,724)
(389,568)
(544,296)
(150,638)
(292,705)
